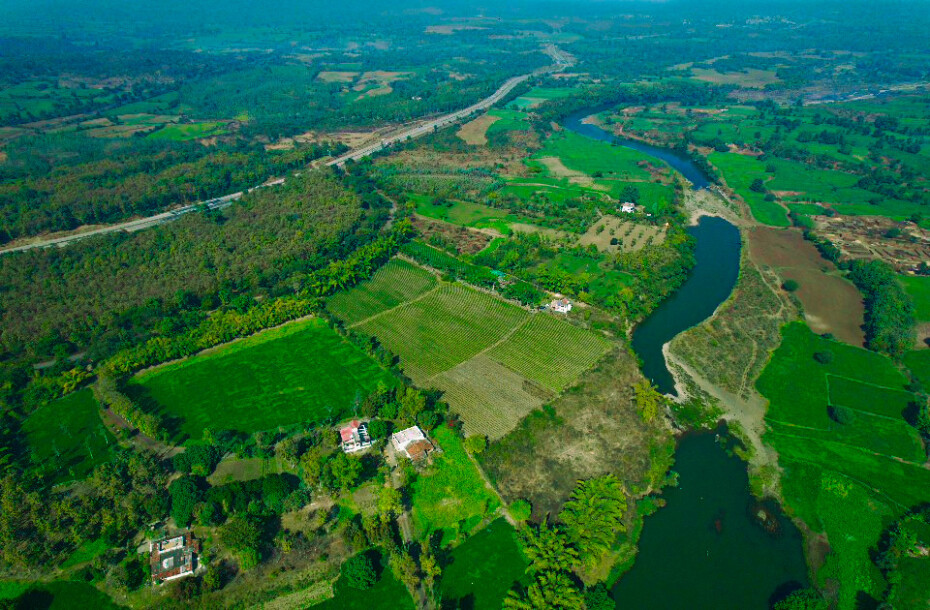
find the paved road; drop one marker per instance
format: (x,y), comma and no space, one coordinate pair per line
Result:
(561,62)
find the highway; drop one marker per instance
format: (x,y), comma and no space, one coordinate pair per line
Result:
(561,61)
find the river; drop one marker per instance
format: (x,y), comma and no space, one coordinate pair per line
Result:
(707,548)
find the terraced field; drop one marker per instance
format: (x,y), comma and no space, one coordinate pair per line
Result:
(494,361)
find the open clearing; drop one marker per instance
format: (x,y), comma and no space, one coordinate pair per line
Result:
(331,76)
(591,430)
(475,132)
(751,78)
(300,372)
(495,361)
(67,438)
(845,480)
(832,304)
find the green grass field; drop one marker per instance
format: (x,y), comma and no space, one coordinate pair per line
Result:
(589,156)
(396,282)
(918,362)
(509,120)
(67,438)
(918,288)
(192,131)
(300,372)
(539,95)
(56,595)
(451,495)
(739,171)
(484,568)
(387,594)
(846,480)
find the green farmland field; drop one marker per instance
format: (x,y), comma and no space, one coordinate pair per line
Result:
(398,281)
(739,171)
(301,372)
(494,361)
(67,438)
(847,480)
(485,567)
(588,156)
(918,288)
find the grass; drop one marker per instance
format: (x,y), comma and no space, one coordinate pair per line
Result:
(590,157)
(192,131)
(847,481)
(387,594)
(451,495)
(468,214)
(508,120)
(484,568)
(300,372)
(57,595)
(739,171)
(919,364)
(86,552)
(918,288)
(396,282)
(444,329)
(67,438)
(539,95)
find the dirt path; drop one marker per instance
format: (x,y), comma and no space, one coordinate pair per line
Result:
(396,307)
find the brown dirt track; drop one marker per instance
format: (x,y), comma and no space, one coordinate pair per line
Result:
(831,304)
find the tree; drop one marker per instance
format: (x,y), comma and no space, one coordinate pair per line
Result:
(311,466)
(593,516)
(823,356)
(757,186)
(185,493)
(648,400)
(358,572)
(803,599)
(476,443)
(243,535)
(548,591)
(548,549)
(377,428)
(790,285)
(598,598)
(521,510)
(344,470)
(389,502)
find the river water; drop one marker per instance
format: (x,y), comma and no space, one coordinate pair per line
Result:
(707,548)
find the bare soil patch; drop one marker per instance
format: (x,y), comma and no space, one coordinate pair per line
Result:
(865,237)
(330,76)
(475,132)
(465,240)
(591,430)
(832,304)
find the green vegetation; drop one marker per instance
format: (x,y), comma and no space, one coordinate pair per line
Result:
(451,496)
(386,594)
(843,479)
(483,568)
(67,439)
(889,322)
(918,289)
(396,282)
(300,373)
(740,171)
(56,595)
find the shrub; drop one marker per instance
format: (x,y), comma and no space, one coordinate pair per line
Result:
(476,444)
(790,285)
(521,510)
(358,572)
(377,428)
(185,494)
(841,415)
(824,357)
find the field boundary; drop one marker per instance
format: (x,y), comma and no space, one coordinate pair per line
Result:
(510,333)
(398,306)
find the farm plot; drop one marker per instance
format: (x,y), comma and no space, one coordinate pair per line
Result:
(396,282)
(444,329)
(479,382)
(301,372)
(494,361)
(550,352)
(67,438)
(629,236)
(866,397)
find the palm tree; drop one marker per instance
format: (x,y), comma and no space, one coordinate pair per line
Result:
(548,549)
(549,591)
(594,515)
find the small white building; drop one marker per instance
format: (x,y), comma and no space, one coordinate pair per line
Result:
(561,306)
(627,208)
(411,443)
(355,437)
(172,558)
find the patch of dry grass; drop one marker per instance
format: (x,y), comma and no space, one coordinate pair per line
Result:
(475,132)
